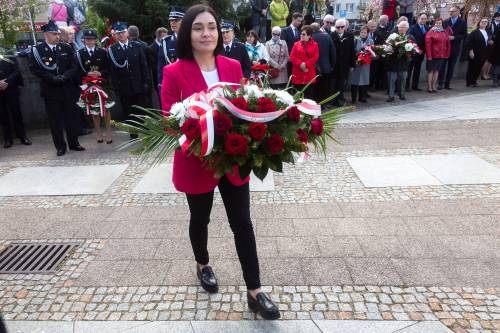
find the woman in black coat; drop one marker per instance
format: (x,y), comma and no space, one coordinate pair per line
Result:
(477,48)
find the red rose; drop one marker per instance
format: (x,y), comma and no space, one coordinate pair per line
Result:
(191,128)
(293,114)
(236,144)
(265,104)
(317,126)
(303,137)
(275,144)
(257,131)
(240,102)
(222,123)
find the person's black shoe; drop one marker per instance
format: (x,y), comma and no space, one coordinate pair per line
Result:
(26,142)
(207,279)
(416,89)
(77,148)
(85,131)
(448,87)
(8,144)
(390,99)
(440,87)
(401,97)
(263,306)
(61,152)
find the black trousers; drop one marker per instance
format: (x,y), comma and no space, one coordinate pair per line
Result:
(378,76)
(339,84)
(10,107)
(323,87)
(414,71)
(237,203)
(447,69)
(63,116)
(127,101)
(474,70)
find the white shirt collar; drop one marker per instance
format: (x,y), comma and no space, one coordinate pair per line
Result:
(52,46)
(157,42)
(124,44)
(90,50)
(230,45)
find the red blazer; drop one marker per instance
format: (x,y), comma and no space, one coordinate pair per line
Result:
(309,55)
(180,80)
(437,45)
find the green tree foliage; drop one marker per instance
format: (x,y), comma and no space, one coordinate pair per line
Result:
(149,14)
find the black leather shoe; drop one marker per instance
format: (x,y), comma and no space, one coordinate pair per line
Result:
(390,99)
(61,152)
(402,97)
(448,87)
(263,306)
(440,87)
(26,141)
(77,148)
(207,279)
(8,144)
(417,89)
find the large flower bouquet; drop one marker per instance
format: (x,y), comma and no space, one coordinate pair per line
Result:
(230,125)
(400,46)
(93,99)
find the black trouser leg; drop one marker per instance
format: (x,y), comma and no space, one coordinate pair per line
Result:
(416,71)
(10,100)
(55,115)
(323,87)
(5,119)
(363,90)
(72,121)
(200,206)
(354,94)
(237,203)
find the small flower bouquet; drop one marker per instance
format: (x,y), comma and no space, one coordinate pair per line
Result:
(364,57)
(254,128)
(401,46)
(93,99)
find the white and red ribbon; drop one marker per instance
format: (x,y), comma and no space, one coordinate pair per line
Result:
(101,95)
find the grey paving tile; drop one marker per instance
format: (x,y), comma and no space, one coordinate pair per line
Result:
(126,213)
(131,249)
(168,229)
(133,327)
(384,226)
(325,271)
(85,214)
(473,272)
(182,273)
(472,225)
(274,227)
(267,247)
(356,209)
(297,247)
(382,246)
(219,248)
(358,326)
(481,247)
(281,271)
(39,327)
(103,273)
(373,271)
(174,249)
(331,226)
(424,246)
(228,272)
(334,246)
(426,327)
(260,326)
(165,213)
(426,272)
(145,273)
(425,225)
(390,208)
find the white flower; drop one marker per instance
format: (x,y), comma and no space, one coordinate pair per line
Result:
(284,97)
(179,111)
(409,47)
(252,89)
(393,36)
(388,48)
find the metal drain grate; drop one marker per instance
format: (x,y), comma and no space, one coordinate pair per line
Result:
(26,258)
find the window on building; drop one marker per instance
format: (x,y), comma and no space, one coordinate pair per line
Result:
(337,8)
(349,7)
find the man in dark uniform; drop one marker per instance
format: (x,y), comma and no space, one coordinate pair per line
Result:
(51,61)
(129,71)
(234,49)
(167,53)
(152,55)
(10,80)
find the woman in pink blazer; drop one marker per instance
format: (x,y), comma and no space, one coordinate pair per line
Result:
(199,44)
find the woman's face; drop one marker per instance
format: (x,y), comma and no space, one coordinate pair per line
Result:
(250,39)
(438,24)
(363,33)
(304,36)
(204,34)
(483,24)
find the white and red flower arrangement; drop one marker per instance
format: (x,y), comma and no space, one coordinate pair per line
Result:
(364,57)
(401,46)
(254,128)
(93,99)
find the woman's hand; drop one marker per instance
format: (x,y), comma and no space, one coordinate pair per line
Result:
(471,54)
(255,63)
(95,74)
(303,67)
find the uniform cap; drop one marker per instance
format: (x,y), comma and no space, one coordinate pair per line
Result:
(89,34)
(119,27)
(50,27)
(176,13)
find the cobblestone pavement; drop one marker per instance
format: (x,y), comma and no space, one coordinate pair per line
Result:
(329,248)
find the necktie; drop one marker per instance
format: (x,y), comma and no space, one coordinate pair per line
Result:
(296,33)
(422,28)
(125,46)
(228,49)
(91,53)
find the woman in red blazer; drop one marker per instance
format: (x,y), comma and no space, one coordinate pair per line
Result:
(437,50)
(304,56)
(199,44)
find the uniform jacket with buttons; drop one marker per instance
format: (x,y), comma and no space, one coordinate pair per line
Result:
(83,62)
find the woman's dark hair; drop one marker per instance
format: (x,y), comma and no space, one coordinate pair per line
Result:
(183,46)
(307,29)
(479,22)
(438,19)
(255,36)
(363,27)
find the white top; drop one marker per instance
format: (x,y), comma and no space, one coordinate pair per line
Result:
(485,35)
(211,77)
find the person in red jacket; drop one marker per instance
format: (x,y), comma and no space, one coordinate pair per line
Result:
(389,9)
(199,65)
(304,56)
(437,50)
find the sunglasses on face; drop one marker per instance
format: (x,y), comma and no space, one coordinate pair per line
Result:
(340,27)
(276,34)
(328,22)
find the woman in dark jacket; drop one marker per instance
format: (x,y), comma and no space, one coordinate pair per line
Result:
(477,46)
(437,50)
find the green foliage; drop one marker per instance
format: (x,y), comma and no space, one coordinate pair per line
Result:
(148,15)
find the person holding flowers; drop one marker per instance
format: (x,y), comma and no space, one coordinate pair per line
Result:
(304,55)
(200,65)
(360,76)
(92,65)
